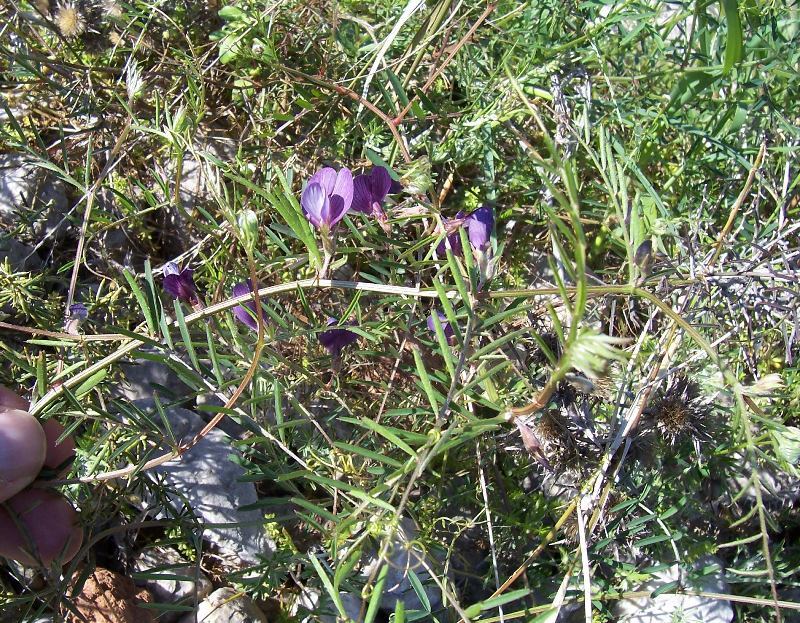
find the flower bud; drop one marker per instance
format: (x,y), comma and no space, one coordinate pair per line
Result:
(248,229)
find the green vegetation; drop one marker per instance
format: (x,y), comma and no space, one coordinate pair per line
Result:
(620,390)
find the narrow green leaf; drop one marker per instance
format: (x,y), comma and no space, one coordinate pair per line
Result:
(187,339)
(425,379)
(142,300)
(734,44)
(377,594)
(383,432)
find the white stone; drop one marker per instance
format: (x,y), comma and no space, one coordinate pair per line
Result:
(406,555)
(192,586)
(668,608)
(210,481)
(226,605)
(26,185)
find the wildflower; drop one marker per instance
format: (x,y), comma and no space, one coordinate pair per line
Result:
(78,311)
(479,227)
(452,240)
(369,191)
(334,340)
(77,314)
(327,198)
(245,313)
(449,333)
(179,284)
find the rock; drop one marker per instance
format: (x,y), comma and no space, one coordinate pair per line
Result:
(144,378)
(196,184)
(225,605)
(404,555)
(27,186)
(21,256)
(109,597)
(352,606)
(689,608)
(192,586)
(209,481)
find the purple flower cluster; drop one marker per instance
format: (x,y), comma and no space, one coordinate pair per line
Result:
(329,195)
(479,224)
(325,201)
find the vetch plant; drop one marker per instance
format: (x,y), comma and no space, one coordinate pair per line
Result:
(480,225)
(370,191)
(179,284)
(325,200)
(246,313)
(336,339)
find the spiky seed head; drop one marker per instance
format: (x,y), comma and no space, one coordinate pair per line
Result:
(69,20)
(680,411)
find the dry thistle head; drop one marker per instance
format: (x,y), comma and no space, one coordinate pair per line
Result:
(69,19)
(680,412)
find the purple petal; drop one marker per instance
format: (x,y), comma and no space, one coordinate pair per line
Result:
(380,183)
(181,285)
(362,194)
(479,226)
(171,268)
(342,195)
(448,330)
(239,312)
(334,340)
(395,187)
(79,311)
(326,178)
(315,203)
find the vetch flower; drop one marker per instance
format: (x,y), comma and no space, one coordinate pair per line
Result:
(453,238)
(334,340)
(78,311)
(327,197)
(369,191)
(179,283)
(449,333)
(77,314)
(245,313)
(479,227)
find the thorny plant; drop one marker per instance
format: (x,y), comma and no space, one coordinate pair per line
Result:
(624,321)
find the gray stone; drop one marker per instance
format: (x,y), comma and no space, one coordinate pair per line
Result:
(226,605)
(208,479)
(144,378)
(352,606)
(21,256)
(182,581)
(406,555)
(26,186)
(667,608)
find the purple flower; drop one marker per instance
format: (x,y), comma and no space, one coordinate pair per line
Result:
(243,312)
(453,238)
(78,311)
(449,333)
(479,227)
(334,340)
(369,191)
(327,197)
(179,283)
